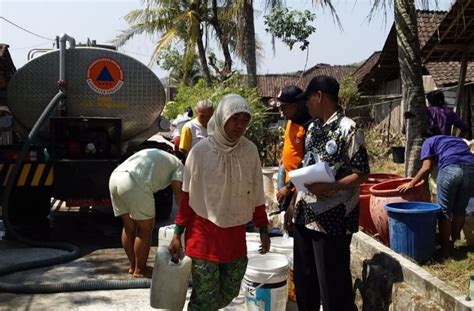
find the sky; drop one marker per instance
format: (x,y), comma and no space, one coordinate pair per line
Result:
(102,20)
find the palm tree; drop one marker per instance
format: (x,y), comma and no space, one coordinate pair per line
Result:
(221,21)
(413,94)
(247,32)
(409,58)
(175,21)
(249,45)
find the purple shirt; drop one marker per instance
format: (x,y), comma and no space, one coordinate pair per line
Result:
(443,118)
(446,150)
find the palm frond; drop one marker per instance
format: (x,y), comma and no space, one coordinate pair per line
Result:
(127,34)
(270,4)
(163,43)
(380,6)
(332,9)
(385,6)
(427,4)
(166,39)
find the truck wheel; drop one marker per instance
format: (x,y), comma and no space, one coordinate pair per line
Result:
(28,212)
(163,203)
(29,206)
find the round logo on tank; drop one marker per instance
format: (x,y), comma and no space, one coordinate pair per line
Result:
(105,76)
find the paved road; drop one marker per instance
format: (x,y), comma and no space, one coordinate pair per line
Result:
(96,233)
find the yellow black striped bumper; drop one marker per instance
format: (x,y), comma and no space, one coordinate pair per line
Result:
(31,174)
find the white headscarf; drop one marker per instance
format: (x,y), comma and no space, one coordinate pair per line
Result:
(229,105)
(224,176)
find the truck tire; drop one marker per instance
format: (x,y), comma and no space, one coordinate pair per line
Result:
(28,211)
(163,203)
(29,206)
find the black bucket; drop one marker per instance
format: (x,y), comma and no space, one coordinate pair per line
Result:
(398,154)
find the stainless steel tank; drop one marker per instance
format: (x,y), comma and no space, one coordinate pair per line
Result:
(99,83)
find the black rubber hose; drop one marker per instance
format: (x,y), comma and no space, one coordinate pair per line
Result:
(72,251)
(89,285)
(12,180)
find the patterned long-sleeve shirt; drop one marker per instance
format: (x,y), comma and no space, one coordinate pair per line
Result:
(340,144)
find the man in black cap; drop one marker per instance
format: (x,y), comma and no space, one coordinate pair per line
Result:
(295,111)
(326,216)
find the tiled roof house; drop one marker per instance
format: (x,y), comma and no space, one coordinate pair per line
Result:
(380,74)
(383,66)
(269,85)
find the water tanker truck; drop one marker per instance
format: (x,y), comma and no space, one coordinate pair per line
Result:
(112,104)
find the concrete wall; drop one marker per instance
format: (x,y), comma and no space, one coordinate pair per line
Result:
(385,280)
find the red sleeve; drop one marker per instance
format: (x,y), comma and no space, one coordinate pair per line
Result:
(185,212)
(260,216)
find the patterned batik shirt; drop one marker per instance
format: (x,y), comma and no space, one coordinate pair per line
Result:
(340,144)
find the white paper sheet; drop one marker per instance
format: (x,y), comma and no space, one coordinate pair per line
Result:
(319,172)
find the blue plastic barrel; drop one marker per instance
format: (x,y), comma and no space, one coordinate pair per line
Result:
(412,227)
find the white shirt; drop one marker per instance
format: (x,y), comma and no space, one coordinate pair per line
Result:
(152,169)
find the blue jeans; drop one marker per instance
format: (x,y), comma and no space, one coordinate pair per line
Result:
(455,188)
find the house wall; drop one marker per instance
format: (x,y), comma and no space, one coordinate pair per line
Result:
(388,113)
(467,101)
(383,108)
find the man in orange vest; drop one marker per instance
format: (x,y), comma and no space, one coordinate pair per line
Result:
(296,112)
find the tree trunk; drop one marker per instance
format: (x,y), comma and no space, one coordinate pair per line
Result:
(249,43)
(223,39)
(202,58)
(413,96)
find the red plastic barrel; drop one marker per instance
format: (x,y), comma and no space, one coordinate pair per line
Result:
(387,192)
(365,218)
(376,178)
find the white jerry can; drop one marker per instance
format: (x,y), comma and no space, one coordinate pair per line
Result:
(165,235)
(169,283)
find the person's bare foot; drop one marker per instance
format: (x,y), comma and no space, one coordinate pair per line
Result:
(143,273)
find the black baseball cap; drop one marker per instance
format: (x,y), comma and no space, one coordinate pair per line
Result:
(325,84)
(289,95)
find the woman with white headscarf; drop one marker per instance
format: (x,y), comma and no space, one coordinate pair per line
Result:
(223,191)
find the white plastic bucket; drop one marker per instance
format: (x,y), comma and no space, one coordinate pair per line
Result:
(252,248)
(265,283)
(252,237)
(284,245)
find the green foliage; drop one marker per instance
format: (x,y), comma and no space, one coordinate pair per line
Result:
(290,26)
(258,131)
(173,21)
(172,60)
(348,93)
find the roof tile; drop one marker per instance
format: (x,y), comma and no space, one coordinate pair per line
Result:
(447,73)
(270,85)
